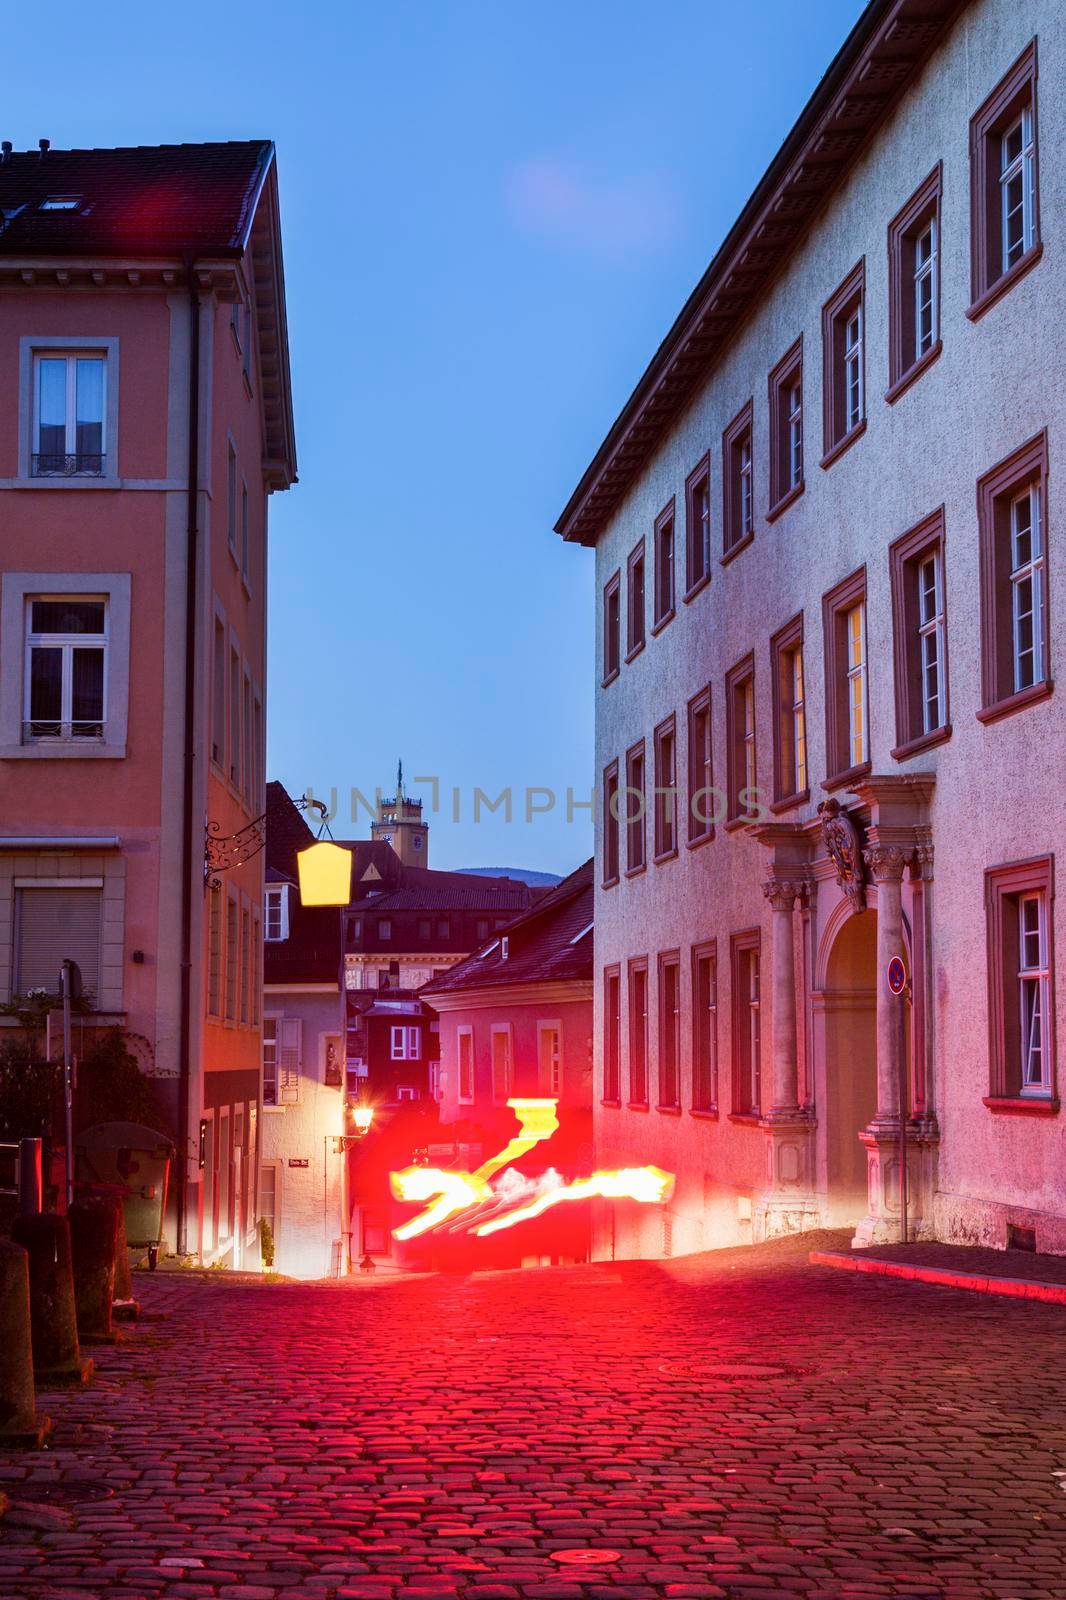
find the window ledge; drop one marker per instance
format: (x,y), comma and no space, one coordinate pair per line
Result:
(611,676)
(784,501)
(842,780)
(612,1105)
(1033,1105)
(704,1114)
(927,741)
(95,481)
(835,451)
(701,838)
(637,1105)
(913,373)
(669,1111)
(665,855)
(1016,702)
(632,654)
(635,872)
(63,752)
(1005,282)
(734,549)
(609,883)
(696,588)
(747,1119)
(733,823)
(789,802)
(660,622)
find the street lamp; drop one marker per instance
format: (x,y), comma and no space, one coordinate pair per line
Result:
(325,872)
(362,1117)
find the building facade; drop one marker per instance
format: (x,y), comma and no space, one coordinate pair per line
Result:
(143,354)
(828,619)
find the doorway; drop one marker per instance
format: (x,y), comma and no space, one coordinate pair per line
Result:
(850,1001)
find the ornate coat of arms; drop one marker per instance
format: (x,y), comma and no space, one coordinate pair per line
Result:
(841,839)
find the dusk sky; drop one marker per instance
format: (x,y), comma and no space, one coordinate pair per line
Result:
(492,213)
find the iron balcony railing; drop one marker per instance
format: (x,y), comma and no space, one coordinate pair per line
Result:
(32,731)
(68,466)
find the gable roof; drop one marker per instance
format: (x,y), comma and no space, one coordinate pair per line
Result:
(878,60)
(170,199)
(550,943)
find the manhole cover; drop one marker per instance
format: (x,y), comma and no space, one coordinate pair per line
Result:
(71,1493)
(724,1370)
(586,1558)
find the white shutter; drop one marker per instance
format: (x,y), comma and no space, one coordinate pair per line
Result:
(288,1060)
(54,925)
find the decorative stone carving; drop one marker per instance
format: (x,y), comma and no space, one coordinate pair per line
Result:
(782,894)
(841,839)
(885,862)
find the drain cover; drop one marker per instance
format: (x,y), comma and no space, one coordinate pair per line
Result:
(727,1370)
(586,1558)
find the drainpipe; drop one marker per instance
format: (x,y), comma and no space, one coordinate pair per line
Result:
(189,830)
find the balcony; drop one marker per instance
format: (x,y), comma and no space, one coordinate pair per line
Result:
(68,466)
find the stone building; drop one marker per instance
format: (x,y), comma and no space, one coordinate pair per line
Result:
(828,618)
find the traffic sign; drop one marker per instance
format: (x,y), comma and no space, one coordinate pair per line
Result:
(896,975)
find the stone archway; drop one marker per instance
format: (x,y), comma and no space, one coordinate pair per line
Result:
(849,1002)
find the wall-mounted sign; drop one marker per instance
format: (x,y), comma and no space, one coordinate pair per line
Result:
(896,975)
(299,1161)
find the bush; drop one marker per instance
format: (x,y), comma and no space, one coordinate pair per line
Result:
(266,1242)
(30,1091)
(110,1088)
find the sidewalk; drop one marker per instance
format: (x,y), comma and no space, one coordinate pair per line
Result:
(1019,1274)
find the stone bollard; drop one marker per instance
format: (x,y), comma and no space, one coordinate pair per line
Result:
(125,1308)
(57,1357)
(93,1238)
(19,1422)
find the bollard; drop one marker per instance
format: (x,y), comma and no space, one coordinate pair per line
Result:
(19,1422)
(93,1237)
(31,1177)
(57,1357)
(125,1308)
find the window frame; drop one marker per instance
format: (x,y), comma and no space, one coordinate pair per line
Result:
(612,633)
(612,1035)
(906,556)
(700,828)
(31,347)
(664,820)
(410,1041)
(611,853)
(637,967)
(1005,888)
(636,826)
(836,435)
(553,1089)
(836,605)
(905,363)
(996,490)
(697,574)
(703,1106)
(664,575)
(505,1031)
(989,278)
(735,536)
(66,644)
(738,676)
(784,645)
(70,359)
(279,893)
(465,1032)
(668,1031)
(746,1096)
(635,642)
(783,379)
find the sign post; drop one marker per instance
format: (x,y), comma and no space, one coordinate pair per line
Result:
(896,979)
(70,989)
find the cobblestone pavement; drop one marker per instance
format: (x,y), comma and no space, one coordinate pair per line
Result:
(743,1425)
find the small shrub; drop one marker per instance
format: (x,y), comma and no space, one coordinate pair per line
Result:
(266,1242)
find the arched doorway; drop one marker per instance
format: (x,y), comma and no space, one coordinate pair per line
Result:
(850,1002)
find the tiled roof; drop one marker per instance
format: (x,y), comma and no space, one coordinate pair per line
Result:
(312,952)
(551,943)
(149,200)
(477,894)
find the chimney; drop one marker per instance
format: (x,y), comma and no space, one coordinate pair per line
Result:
(43,145)
(5,150)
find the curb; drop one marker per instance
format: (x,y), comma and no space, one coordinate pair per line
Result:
(1015,1288)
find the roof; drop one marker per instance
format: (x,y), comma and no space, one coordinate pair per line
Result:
(148,200)
(550,943)
(483,894)
(878,61)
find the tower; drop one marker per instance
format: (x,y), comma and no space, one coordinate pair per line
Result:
(399,823)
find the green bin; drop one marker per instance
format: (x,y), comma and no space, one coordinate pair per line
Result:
(134,1161)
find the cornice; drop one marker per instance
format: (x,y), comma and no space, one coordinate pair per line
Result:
(219,276)
(887,46)
(493,996)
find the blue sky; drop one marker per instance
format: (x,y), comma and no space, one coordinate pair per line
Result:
(492,213)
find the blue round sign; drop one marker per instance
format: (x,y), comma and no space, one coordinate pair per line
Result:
(896,973)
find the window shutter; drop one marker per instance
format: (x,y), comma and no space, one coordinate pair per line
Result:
(289,1060)
(53,925)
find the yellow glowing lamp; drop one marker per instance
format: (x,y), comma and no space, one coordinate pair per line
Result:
(325,871)
(363,1116)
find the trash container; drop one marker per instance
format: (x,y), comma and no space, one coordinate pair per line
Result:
(134,1161)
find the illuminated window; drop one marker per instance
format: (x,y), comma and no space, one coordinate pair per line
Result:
(857,689)
(790,713)
(1021,980)
(847,688)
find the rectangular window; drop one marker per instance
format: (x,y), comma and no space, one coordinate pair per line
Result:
(232,957)
(66,668)
(741,769)
(549,1060)
(791,785)
(635,603)
(698,527)
(669,1030)
(664,565)
(612,1035)
(914,285)
(843,365)
(218,695)
(635,809)
(1004,190)
(214,954)
(704,1027)
(464,1044)
(612,811)
(638,1032)
(258,753)
(234,718)
(738,488)
(276,901)
(666,789)
(846,678)
(747,1025)
(289,1042)
(916,563)
(246,966)
(257,967)
(701,798)
(786,429)
(612,626)
(1019,898)
(54,924)
(69,415)
(502,1065)
(1012,527)
(425,928)
(244,532)
(405,1043)
(246,729)
(231,500)
(384,929)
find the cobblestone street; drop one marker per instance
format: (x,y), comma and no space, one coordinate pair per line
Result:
(742,1425)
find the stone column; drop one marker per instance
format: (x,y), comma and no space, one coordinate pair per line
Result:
(885,864)
(785,1082)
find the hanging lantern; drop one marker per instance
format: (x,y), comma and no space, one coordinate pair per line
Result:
(325,872)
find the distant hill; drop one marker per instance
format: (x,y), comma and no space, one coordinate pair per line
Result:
(536,880)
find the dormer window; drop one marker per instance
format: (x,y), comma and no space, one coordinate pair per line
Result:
(61,202)
(505,948)
(276,913)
